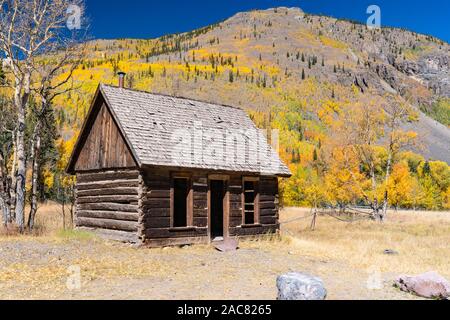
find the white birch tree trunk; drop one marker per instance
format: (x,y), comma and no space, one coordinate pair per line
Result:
(35,152)
(12,187)
(21,102)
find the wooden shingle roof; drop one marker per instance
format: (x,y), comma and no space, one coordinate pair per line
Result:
(183,133)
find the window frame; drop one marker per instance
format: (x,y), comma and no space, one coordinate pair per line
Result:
(256,218)
(189,200)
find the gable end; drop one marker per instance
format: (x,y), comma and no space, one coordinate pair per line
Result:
(101,144)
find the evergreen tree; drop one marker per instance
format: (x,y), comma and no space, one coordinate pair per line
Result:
(2,74)
(231,76)
(303,74)
(426,169)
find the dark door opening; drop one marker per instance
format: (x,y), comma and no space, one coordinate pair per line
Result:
(181,193)
(216,205)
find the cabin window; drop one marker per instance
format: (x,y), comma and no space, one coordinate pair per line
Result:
(180,203)
(250,198)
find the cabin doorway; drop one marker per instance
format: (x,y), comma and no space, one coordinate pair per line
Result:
(217,197)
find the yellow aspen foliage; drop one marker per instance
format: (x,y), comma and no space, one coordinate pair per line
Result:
(49,178)
(417,195)
(435,179)
(432,198)
(400,185)
(65,149)
(344,181)
(305,188)
(328,111)
(447,199)
(440,172)
(332,43)
(315,193)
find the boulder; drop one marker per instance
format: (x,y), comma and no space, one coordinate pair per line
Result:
(300,286)
(428,285)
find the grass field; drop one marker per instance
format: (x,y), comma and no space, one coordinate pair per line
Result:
(347,256)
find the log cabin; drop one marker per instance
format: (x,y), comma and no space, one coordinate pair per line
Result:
(158,170)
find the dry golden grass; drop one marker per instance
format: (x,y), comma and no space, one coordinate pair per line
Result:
(36,265)
(421,238)
(49,222)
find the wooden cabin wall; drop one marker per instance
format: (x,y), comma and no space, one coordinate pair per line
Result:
(133,206)
(268,208)
(105,147)
(108,201)
(156,209)
(235,188)
(269,201)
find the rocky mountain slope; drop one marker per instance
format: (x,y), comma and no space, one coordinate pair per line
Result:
(266,60)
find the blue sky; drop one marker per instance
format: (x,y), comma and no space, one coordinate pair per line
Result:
(150,18)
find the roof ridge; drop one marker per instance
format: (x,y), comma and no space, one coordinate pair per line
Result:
(172,96)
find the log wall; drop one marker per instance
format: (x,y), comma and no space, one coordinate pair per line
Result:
(135,206)
(156,209)
(109,201)
(268,208)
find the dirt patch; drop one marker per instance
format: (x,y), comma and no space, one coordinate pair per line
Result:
(38,270)
(348,258)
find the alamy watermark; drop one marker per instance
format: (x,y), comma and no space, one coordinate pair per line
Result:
(375,279)
(74,13)
(74,279)
(374,20)
(201,146)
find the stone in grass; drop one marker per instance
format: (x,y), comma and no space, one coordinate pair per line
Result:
(227,245)
(300,286)
(428,285)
